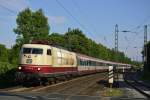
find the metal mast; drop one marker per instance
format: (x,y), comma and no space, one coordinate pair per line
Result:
(116,38)
(145,44)
(116,50)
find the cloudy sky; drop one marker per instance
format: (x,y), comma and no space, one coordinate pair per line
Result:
(96,18)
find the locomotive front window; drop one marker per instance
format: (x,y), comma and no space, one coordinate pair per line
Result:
(37,51)
(32,51)
(26,50)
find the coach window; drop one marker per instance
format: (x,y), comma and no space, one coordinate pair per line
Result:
(92,63)
(86,62)
(81,62)
(48,51)
(89,63)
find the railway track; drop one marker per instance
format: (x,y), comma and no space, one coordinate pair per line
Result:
(137,85)
(75,86)
(78,86)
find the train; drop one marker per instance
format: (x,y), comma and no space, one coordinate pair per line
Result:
(43,63)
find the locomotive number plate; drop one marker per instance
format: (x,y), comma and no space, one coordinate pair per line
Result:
(29,61)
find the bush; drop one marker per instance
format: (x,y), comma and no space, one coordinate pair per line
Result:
(4,67)
(7,74)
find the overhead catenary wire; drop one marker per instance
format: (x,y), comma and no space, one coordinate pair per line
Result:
(133,30)
(12,11)
(133,40)
(75,19)
(86,16)
(128,40)
(141,24)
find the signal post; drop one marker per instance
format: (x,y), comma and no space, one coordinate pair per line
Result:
(111,76)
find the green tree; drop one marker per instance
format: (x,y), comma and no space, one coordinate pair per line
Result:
(31,25)
(76,41)
(57,39)
(14,54)
(3,53)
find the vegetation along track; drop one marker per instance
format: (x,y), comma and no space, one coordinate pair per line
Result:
(140,87)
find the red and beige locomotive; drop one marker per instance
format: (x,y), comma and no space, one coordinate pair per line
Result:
(42,63)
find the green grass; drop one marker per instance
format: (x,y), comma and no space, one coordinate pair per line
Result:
(112,92)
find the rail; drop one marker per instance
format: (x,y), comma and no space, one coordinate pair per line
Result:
(136,85)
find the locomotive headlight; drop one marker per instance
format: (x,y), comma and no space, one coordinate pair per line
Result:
(39,69)
(19,68)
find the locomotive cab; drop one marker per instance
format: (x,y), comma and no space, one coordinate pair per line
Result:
(35,58)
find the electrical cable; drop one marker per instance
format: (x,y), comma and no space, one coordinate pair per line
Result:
(75,19)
